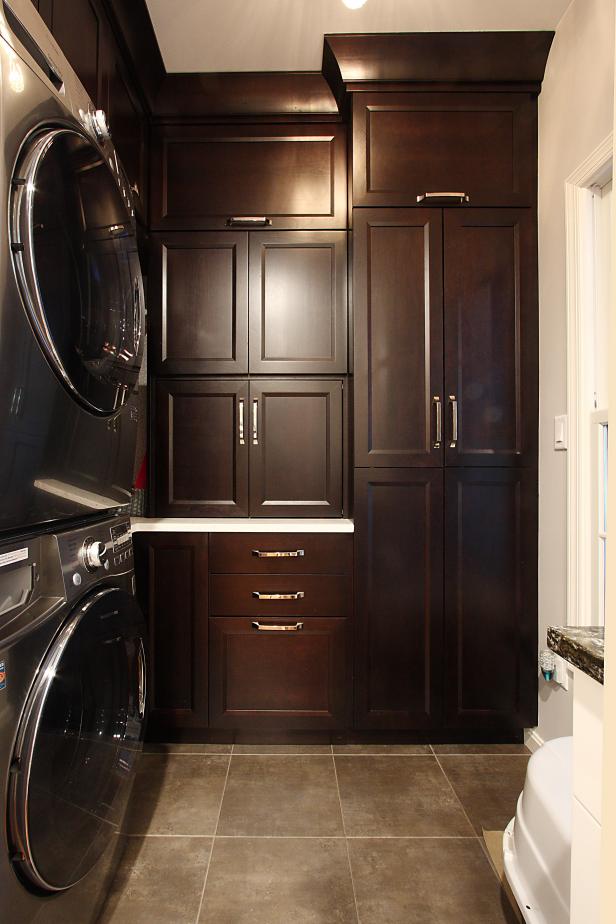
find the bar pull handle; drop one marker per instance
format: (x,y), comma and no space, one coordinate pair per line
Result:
(255,422)
(248,221)
(295,595)
(240,421)
(296,553)
(456,196)
(454,421)
(260,627)
(141,680)
(436,401)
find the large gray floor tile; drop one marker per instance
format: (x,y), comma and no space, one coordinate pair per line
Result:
(398,797)
(188,748)
(176,794)
(389,750)
(519,749)
(426,881)
(487,786)
(310,749)
(279,881)
(159,881)
(283,796)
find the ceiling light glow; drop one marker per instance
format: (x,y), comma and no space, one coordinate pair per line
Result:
(354,4)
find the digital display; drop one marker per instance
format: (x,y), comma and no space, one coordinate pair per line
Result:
(120,536)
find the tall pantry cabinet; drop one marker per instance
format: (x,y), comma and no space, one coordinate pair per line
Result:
(445,407)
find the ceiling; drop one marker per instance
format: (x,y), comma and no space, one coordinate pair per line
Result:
(287,35)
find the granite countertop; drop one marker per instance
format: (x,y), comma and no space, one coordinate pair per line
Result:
(582,646)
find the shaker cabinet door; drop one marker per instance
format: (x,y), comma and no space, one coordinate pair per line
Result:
(491,598)
(491,348)
(398,345)
(295,448)
(298,302)
(398,593)
(200,310)
(201,448)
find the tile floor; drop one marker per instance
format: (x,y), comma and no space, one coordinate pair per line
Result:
(258,834)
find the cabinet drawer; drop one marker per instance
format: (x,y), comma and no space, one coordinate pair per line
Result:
(271,677)
(293,595)
(281,553)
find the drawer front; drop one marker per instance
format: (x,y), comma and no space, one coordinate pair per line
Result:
(280,595)
(276,677)
(282,553)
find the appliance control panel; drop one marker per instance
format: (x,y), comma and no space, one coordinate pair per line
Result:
(93,552)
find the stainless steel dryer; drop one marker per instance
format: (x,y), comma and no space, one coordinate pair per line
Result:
(71,297)
(72,704)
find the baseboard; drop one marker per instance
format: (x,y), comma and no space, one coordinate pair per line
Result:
(532,739)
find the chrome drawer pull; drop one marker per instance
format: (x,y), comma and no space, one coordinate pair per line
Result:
(254,221)
(261,628)
(255,422)
(458,196)
(297,595)
(298,553)
(240,416)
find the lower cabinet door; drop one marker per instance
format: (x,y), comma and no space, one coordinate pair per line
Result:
(399,590)
(172,587)
(278,673)
(296,448)
(491,598)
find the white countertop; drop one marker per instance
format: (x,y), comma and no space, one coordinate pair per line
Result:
(239,525)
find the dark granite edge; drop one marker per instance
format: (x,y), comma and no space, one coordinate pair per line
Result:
(580,646)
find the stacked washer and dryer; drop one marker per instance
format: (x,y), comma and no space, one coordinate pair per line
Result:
(72,638)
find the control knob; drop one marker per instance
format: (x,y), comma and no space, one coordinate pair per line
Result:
(94,554)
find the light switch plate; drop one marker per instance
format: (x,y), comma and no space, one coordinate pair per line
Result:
(561,673)
(560,432)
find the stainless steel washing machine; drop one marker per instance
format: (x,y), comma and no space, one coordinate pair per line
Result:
(71,294)
(72,708)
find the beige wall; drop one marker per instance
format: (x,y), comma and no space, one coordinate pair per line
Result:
(575,116)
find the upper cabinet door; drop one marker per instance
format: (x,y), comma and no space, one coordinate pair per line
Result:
(201,448)
(298,302)
(199,314)
(295,448)
(406,145)
(288,176)
(491,350)
(398,342)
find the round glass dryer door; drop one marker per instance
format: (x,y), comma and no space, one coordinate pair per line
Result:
(75,253)
(78,742)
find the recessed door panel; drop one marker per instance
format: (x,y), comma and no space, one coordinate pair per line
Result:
(398,299)
(491,344)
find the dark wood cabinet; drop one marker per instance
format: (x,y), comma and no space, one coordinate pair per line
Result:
(278,673)
(172,581)
(298,310)
(398,593)
(281,553)
(473,391)
(491,343)
(305,595)
(491,598)
(199,308)
(398,342)
(201,453)
(296,451)
(406,145)
(290,175)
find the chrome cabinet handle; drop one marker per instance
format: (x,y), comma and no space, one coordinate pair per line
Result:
(265,628)
(255,422)
(250,221)
(240,421)
(296,595)
(439,422)
(141,680)
(454,421)
(458,196)
(297,553)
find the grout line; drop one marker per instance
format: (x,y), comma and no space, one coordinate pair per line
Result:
(318,837)
(456,796)
(346,839)
(209,862)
